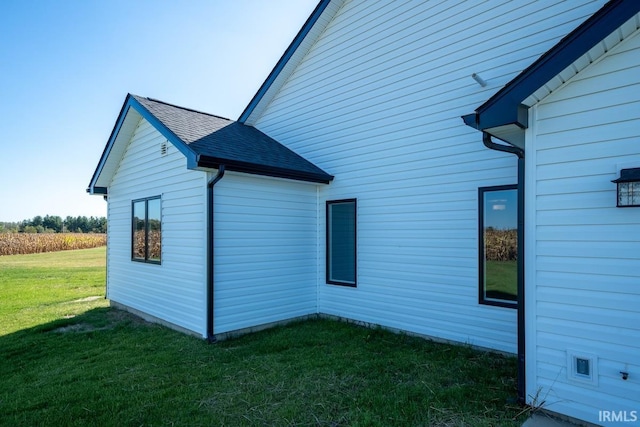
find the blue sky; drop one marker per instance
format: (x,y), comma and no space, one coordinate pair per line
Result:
(66,67)
(501,209)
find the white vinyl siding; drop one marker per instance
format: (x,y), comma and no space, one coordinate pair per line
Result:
(583,271)
(265,251)
(175,290)
(377,103)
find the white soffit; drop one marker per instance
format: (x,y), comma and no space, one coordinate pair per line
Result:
(512,134)
(594,54)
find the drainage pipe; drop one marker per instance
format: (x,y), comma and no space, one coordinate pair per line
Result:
(210,249)
(486,139)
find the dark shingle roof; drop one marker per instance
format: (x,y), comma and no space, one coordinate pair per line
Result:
(219,141)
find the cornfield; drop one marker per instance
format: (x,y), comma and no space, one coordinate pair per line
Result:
(28,243)
(155,241)
(500,245)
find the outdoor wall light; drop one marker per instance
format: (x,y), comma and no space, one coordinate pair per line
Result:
(628,188)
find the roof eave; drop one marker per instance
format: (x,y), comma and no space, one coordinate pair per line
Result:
(97,190)
(209,162)
(505,107)
(512,131)
(91,189)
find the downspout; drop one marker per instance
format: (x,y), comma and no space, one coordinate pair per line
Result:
(486,139)
(210,248)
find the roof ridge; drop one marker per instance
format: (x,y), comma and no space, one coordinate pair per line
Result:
(187,109)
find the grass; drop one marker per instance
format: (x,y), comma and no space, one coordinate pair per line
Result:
(502,279)
(40,288)
(106,367)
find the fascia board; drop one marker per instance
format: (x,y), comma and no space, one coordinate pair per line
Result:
(208,162)
(504,106)
(115,133)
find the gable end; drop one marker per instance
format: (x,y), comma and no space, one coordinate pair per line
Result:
(131,113)
(503,114)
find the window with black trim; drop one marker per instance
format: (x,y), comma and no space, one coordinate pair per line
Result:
(498,244)
(341,242)
(146,236)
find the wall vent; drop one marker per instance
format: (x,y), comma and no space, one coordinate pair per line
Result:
(164,148)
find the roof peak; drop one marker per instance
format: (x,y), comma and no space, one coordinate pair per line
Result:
(180,107)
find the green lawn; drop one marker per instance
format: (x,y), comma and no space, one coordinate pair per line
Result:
(66,362)
(40,288)
(502,280)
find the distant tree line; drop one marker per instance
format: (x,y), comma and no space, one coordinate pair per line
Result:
(55,224)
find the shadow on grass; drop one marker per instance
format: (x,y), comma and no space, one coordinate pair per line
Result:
(107,367)
(64,372)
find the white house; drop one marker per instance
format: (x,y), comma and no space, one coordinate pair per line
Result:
(376,170)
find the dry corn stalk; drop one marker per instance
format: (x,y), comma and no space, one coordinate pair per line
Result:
(501,245)
(27,243)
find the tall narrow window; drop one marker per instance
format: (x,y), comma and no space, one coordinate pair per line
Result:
(341,242)
(146,238)
(498,243)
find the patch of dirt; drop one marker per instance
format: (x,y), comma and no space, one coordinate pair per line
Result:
(87,299)
(78,327)
(117,316)
(114,317)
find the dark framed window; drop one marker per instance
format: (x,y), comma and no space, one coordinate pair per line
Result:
(498,244)
(341,242)
(146,235)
